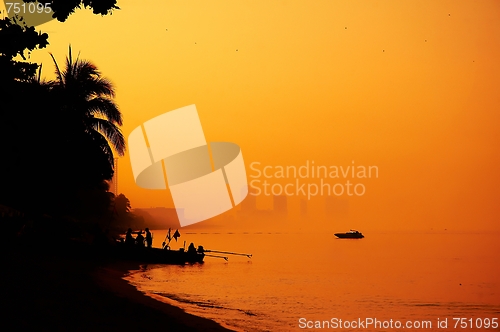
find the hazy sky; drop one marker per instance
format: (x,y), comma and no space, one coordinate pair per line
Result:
(408,86)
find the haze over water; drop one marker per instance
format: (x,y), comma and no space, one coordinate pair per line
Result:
(401,276)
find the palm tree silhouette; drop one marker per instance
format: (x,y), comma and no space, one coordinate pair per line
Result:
(85,101)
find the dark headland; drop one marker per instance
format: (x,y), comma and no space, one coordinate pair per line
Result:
(69,287)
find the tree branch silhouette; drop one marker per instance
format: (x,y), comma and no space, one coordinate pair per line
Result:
(64,8)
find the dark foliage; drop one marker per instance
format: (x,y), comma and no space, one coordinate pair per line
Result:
(56,138)
(63,8)
(17,39)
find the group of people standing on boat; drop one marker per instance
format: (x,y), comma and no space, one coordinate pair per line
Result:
(139,240)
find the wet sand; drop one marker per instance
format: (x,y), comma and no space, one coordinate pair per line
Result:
(49,291)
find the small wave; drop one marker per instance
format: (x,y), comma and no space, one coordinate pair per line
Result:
(187,301)
(427,304)
(458,306)
(203,304)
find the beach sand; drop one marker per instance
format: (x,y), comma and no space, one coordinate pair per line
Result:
(45,290)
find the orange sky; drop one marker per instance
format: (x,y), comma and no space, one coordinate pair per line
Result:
(408,86)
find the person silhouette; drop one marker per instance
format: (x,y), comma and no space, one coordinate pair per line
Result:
(139,240)
(149,238)
(129,240)
(191,249)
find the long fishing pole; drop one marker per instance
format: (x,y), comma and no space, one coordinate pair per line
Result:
(229,253)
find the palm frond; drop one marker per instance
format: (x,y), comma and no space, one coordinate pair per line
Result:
(58,71)
(103,86)
(39,73)
(111,132)
(91,118)
(105,108)
(69,62)
(90,81)
(102,143)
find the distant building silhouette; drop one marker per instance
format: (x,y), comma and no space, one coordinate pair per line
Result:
(249,204)
(280,205)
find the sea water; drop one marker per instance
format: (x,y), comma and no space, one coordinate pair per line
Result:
(294,281)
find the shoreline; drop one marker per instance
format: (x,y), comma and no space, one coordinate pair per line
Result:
(111,277)
(172,303)
(61,291)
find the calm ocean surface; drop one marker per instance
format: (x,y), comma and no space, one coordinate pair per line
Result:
(401,276)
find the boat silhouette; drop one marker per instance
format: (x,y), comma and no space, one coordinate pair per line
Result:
(161,255)
(352,234)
